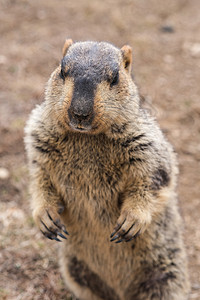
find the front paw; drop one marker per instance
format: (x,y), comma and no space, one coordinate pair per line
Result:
(49,223)
(130,224)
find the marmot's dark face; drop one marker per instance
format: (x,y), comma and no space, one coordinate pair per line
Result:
(94,79)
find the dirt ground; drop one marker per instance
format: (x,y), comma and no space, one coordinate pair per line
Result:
(165,36)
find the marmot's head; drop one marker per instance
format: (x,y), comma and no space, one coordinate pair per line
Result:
(92,88)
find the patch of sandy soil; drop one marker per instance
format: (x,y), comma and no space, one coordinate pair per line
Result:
(165,36)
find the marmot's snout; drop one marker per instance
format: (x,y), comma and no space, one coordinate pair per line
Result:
(81,112)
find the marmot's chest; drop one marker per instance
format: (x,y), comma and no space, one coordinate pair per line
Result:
(93,170)
(90,168)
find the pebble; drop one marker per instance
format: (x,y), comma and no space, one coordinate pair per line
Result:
(167,29)
(4,173)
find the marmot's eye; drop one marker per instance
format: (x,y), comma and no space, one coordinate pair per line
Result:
(115,79)
(62,74)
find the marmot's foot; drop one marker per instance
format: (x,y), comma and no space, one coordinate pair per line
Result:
(49,223)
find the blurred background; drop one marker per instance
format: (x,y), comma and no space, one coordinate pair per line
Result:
(165,36)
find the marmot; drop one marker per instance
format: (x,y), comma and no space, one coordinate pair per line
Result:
(103,181)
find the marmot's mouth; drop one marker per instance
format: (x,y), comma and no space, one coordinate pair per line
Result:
(86,128)
(80,128)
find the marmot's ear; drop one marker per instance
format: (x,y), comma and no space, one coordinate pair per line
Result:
(66,46)
(127,57)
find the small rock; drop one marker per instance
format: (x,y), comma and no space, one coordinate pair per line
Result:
(4,173)
(167,29)
(195,49)
(192,48)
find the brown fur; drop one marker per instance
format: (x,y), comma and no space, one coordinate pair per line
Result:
(100,164)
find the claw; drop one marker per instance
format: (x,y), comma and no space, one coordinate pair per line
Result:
(57,223)
(119,241)
(44,233)
(64,229)
(125,236)
(130,239)
(47,227)
(138,233)
(117,228)
(49,215)
(47,235)
(56,239)
(61,235)
(112,234)
(115,237)
(133,237)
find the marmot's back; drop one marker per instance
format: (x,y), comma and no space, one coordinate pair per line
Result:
(102,171)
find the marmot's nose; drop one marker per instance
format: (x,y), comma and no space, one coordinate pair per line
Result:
(79,115)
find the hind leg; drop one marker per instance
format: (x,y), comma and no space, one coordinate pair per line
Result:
(158,284)
(75,282)
(161,273)
(83,282)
